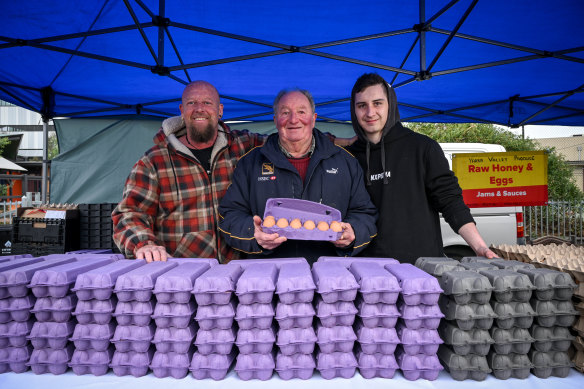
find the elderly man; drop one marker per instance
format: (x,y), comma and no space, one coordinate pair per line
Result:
(297,162)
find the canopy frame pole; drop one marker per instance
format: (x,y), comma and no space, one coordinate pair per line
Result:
(45,180)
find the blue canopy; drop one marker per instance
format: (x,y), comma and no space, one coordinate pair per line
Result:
(500,61)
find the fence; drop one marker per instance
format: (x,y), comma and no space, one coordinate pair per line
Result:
(561,219)
(8,208)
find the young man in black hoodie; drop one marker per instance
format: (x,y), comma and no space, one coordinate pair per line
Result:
(408,179)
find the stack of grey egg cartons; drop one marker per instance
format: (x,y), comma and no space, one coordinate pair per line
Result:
(214,294)
(134,310)
(173,315)
(419,319)
(53,311)
(95,327)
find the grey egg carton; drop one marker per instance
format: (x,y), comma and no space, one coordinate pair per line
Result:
(255,315)
(375,365)
(176,340)
(468,316)
(335,313)
(296,340)
(475,259)
(418,366)
(298,315)
(57,309)
(93,336)
(551,284)
(216,316)
(131,363)
(138,284)
(513,314)
(437,266)
(554,313)
(550,364)
(48,360)
(466,287)
(95,311)
(334,282)
(348,261)
(257,284)
(215,341)
(510,365)
(15,359)
(14,333)
(337,364)
(91,361)
(134,312)
(511,341)
(214,366)
(299,366)
(464,367)
(295,283)
(376,340)
(133,338)
(256,340)
(16,308)
(255,366)
(216,285)
(376,285)
(51,334)
(174,314)
(419,341)
(171,364)
(99,283)
(509,285)
(511,264)
(478,266)
(551,338)
(420,316)
(335,339)
(418,287)
(464,342)
(377,315)
(176,285)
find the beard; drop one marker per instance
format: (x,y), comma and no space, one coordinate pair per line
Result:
(201,136)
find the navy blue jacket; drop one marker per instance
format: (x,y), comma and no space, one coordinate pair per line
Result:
(334,178)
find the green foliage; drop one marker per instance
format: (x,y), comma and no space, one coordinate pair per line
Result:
(3,142)
(53,145)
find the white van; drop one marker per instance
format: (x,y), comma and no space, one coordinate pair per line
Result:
(496,225)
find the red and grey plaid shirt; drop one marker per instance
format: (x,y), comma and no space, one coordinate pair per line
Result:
(170,200)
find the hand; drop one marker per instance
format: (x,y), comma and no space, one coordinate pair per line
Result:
(267,241)
(484,251)
(347,236)
(151,253)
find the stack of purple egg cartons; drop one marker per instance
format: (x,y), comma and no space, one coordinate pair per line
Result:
(135,331)
(214,294)
(95,327)
(174,312)
(53,310)
(419,319)
(336,290)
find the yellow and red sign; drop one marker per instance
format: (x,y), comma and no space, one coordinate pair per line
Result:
(516,178)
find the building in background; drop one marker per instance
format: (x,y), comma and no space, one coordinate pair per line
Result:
(572,149)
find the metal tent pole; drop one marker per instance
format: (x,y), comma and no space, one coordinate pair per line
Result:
(44,184)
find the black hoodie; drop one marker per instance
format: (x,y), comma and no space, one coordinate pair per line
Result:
(409,181)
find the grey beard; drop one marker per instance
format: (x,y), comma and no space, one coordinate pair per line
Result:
(203,136)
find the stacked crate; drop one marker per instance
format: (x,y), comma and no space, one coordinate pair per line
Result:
(96,228)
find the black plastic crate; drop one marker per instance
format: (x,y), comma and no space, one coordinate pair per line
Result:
(6,239)
(37,249)
(59,235)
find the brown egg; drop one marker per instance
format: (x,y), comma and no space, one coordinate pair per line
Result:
(336,226)
(309,225)
(322,225)
(269,221)
(295,223)
(282,222)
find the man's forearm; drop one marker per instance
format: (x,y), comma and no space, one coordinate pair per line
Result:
(471,235)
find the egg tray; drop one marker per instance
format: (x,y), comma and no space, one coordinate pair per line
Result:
(51,334)
(509,285)
(138,284)
(417,286)
(255,366)
(375,365)
(551,363)
(91,361)
(93,336)
(255,315)
(304,210)
(464,367)
(99,283)
(134,312)
(551,338)
(376,340)
(133,338)
(478,266)
(334,282)
(348,261)
(15,359)
(337,364)
(468,316)
(474,341)
(176,285)
(48,360)
(214,366)
(419,366)
(420,316)
(256,340)
(57,309)
(296,340)
(376,285)
(377,315)
(554,313)
(176,340)
(513,314)
(174,314)
(550,284)
(335,339)
(216,285)
(505,366)
(171,364)
(419,341)
(299,366)
(336,313)
(295,283)
(437,266)
(511,264)
(299,315)
(511,341)
(131,363)
(257,284)
(14,333)
(466,286)
(216,316)
(16,308)
(215,341)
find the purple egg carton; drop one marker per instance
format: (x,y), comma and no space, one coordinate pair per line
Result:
(375,365)
(376,284)
(216,316)
(468,316)
(15,359)
(296,340)
(99,283)
(216,285)
(339,313)
(420,316)
(209,261)
(335,339)
(14,281)
(254,315)
(12,264)
(418,287)
(255,366)
(279,262)
(92,257)
(51,334)
(376,340)
(95,311)
(348,261)
(295,283)
(138,284)
(176,285)
(133,338)
(48,360)
(131,363)
(91,251)
(215,341)
(257,284)
(58,309)
(176,340)
(57,281)
(174,314)
(419,366)
(93,336)
(513,314)
(377,315)
(295,366)
(298,315)
(256,340)
(16,308)
(420,341)
(334,282)
(303,210)
(171,364)
(91,361)
(6,258)
(214,366)
(134,312)
(14,333)
(474,341)
(338,364)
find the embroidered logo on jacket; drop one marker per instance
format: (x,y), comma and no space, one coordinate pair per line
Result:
(332,170)
(379,176)
(267,169)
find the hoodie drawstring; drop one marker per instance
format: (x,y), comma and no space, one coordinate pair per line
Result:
(367,153)
(385,180)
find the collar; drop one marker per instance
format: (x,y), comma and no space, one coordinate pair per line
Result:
(308,154)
